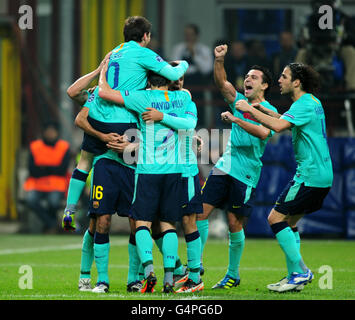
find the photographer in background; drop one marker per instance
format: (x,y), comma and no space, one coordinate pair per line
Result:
(330,51)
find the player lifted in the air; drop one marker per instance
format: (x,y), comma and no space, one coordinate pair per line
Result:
(127,70)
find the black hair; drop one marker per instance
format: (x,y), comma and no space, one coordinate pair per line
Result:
(267,76)
(309,78)
(50,124)
(194,27)
(157,80)
(135,27)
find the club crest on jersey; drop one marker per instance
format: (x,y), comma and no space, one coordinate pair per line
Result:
(95,204)
(92,97)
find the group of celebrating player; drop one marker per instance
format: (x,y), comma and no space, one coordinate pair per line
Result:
(123,118)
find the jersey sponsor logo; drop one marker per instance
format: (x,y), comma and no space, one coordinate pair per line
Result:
(248,116)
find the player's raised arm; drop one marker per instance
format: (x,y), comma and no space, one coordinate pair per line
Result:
(78,90)
(220,77)
(105,91)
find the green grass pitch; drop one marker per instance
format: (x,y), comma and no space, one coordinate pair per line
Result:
(55,262)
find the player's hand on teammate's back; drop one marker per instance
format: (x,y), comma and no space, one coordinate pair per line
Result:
(120,144)
(91,90)
(111,137)
(105,60)
(152,115)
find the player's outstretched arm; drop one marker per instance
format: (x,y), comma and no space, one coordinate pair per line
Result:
(173,122)
(220,76)
(266,110)
(77,91)
(174,73)
(272,123)
(258,131)
(105,91)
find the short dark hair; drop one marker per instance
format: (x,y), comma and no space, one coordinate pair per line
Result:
(309,78)
(267,76)
(51,124)
(135,27)
(157,80)
(194,27)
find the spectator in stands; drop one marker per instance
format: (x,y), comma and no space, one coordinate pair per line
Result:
(236,64)
(48,166)
(257,55)
(286,55)
(155,45)
(200,59)
(322,47)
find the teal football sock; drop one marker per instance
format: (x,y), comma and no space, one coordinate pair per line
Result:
(297,237)
(101,252)
(179,268)
(298,245)
(170,249)
(133,260)
(193,243)
(76,186)
(236,247)
(144,245)
(202,226)
(87,255)
(287,242)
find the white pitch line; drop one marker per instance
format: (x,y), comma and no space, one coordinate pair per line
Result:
(114,295)
(53,248)
(158,267)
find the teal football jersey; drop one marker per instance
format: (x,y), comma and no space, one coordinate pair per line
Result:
(159,146)
(241,159)
(190,167)
(127,70)
(309,138)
